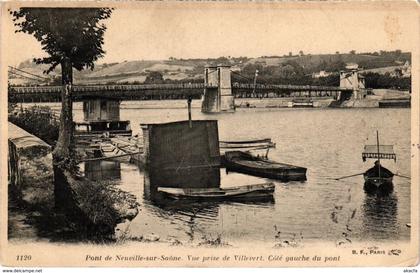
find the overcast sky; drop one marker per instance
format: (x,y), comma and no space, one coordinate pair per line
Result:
(159,31)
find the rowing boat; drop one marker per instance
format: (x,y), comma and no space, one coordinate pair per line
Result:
(247,191)
(114,152)
(259,147)
(247,144)
(378,179)
(245,162)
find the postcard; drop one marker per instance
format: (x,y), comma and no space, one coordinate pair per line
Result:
(210,134)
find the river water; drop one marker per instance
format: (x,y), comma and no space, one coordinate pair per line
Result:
(328,142)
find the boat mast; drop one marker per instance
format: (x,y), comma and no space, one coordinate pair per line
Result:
(379,160)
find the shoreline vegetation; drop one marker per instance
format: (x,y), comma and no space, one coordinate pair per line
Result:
(84,209)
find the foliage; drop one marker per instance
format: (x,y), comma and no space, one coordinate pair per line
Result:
(11,104)
(289,72)
(74,33)
(73,38)
(376,80)
(210,241)
(154,77)
(40,121)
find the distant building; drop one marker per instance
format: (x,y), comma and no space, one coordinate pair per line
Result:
(235,68)
(321,74)
(403,71)
(351,66)
(406,70)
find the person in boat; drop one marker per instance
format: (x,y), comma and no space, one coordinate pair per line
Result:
(374,171)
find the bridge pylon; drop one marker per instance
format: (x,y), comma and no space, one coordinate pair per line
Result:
(350,78)
(217,95)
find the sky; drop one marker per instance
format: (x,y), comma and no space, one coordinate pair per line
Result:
(156,31)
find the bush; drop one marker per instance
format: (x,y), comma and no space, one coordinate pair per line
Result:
(40,121)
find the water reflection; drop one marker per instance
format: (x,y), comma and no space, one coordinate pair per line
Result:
(102,170)
(380,216)
(204,177)
(194,217)
(200,177)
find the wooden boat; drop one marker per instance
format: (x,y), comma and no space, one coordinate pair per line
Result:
(244,162)
(301,103)
(247,145)
(378,179)
(118,148)
(247,191)
(112,151)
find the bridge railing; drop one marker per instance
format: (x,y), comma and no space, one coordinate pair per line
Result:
(168,86)
(122,87)
(288,87)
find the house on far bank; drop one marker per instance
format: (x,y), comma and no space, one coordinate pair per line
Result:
(351,66)
(406,69)
(321,74)
(401,70)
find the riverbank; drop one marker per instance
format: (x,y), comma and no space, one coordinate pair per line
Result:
(60,205)
(371,101)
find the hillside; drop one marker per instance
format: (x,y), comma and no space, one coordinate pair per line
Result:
(192,69)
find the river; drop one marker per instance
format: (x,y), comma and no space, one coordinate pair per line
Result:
(328,142)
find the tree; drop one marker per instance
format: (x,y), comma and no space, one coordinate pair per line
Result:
(73,38)
(154,77)
(353,52)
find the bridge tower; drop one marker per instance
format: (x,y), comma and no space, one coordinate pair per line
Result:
(217,95)
(350,78)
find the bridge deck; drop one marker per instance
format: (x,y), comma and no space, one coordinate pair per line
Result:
(152,91)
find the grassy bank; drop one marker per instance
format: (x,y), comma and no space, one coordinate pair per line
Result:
(84,209)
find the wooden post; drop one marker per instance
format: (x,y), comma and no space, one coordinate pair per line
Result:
(379,159)
(255,81)
(189,111)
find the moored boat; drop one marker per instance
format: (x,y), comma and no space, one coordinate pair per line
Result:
(114,152)
(246,191)
(301,103)
(246,145)
(245,162)
(378,179)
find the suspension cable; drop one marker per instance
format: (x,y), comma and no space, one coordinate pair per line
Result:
(24,76)
(23,71)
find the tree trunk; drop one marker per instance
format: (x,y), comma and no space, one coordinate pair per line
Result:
(63,148)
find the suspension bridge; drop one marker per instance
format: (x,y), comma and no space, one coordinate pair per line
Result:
(217,90)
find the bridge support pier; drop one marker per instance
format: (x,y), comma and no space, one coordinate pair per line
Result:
(218,95)
(101,109)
